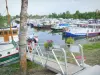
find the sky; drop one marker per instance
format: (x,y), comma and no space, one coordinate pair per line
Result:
(45,7)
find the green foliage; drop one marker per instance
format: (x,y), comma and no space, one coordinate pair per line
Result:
(48,44)
(76,15)
(3,20)
(91,46)
(69,40)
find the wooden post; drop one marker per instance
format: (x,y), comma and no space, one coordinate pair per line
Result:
(22,37)
(9,20)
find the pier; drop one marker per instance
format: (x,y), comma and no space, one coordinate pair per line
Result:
(56,60)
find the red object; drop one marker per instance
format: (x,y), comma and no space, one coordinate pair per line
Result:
(79,57)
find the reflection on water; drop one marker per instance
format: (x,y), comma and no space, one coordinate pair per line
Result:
(45,35)
(58,38)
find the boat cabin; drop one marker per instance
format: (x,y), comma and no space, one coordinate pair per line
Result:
(5,34)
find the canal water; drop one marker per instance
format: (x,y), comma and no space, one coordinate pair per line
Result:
(58,38)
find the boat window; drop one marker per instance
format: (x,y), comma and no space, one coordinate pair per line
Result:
(1,33)
(0,55)
(8,53)
(14,32)
(5,32)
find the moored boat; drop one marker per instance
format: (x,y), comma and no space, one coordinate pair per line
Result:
(81,32)
(59,27)
(43,26)
(8,47)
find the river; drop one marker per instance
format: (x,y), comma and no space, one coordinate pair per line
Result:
(58,38)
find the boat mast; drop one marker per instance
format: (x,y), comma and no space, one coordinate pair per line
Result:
(9,19)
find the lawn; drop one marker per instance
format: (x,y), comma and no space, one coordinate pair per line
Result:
(32,69)
(92,53)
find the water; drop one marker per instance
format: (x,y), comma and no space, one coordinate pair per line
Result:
(48,35)
(57,37)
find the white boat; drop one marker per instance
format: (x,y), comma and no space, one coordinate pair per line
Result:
(81,32)
(59,27)
(8,49)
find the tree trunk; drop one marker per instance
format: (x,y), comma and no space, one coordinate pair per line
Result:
(22,37)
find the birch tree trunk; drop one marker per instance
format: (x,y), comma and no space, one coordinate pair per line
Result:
(22,37)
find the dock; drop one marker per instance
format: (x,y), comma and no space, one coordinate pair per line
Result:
(52,61)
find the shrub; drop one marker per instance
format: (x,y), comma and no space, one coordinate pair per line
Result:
(48,44)
(69,40)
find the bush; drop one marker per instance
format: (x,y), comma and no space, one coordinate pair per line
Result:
(69,40)
(48,44)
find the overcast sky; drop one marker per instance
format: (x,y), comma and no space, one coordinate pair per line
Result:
(44,7)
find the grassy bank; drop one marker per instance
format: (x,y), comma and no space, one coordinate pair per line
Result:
(91,46)
(92,53)
(32,69)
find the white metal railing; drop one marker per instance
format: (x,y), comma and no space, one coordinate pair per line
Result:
(38,46)
(82,55)
(40,54)
(39,51)
(64,52)
(53,52)
(79,50)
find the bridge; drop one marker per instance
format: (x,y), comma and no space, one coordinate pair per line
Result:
(56,60)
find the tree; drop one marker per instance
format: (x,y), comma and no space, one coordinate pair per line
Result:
(22,37)
(54,15)
(63,15)
(68,15)
(76,15)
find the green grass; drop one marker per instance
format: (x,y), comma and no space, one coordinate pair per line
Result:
(14,69)
(91,52)
(92,46)
(30,65)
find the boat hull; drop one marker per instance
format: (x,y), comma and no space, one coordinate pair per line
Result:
(43,27)
(69,34)
(56,29)
(9,59)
